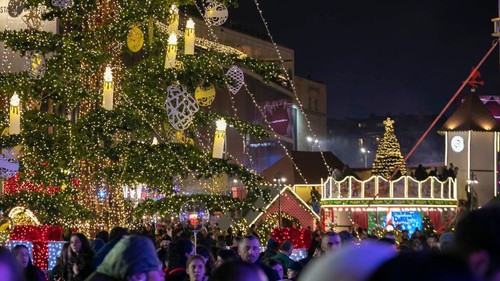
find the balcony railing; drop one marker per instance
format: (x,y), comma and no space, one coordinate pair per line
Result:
(404,189)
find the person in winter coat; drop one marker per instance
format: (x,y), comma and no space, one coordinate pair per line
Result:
(133,258)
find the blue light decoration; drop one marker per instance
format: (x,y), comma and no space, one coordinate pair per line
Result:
(54,248)
(102,193)
(11,244)
(298,254)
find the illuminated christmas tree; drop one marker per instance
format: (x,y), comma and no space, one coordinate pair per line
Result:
(109,101)
(388,157)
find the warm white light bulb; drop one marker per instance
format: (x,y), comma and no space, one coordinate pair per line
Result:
(190,23)
(14,100)
(221,124)
(172,39)
(108,74)
(174,9)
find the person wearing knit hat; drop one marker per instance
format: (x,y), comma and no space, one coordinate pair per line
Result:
(133,258)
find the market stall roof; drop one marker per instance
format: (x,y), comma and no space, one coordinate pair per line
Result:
(471,115)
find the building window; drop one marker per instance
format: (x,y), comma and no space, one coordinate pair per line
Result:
(316,104)
(309,103)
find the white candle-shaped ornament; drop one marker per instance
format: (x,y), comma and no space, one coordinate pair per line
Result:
(189,38)
(108,88)
(171,51)
(220,138)
(173,19)
(15,115)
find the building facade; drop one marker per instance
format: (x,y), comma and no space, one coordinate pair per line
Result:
(311,129)
(273,105)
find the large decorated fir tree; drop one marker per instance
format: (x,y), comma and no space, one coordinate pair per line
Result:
(109,101)
(388,158)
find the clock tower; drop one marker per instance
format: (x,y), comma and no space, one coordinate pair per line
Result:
(472,146)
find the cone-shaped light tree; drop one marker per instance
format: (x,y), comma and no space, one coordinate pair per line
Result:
(388,157)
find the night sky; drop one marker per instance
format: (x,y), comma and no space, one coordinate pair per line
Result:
(383,56)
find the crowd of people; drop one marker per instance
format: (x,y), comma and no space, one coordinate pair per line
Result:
(472,252)
(443,173)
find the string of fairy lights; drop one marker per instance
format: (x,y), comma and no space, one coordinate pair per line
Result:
(233,106)
(6,63)
(280,142)
(294,90)
(182,162)
(207,44)
(235,110)
(81,92)
(239,53)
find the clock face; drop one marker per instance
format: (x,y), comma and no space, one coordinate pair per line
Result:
(457,143)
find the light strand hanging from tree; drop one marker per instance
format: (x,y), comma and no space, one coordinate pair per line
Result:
(280,141)
(262,112)
(235,110)
(294,90)
(98,141)
(184,164)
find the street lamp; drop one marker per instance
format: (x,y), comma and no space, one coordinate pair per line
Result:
(279,180)
(365,152)
(312,141)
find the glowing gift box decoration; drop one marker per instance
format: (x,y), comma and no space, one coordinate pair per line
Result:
(45,241)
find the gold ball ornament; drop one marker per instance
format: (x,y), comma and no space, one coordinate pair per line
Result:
(204,95)
(179,65)
(135,39)
(179,136)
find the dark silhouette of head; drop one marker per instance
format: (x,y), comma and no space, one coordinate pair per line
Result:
(238,271)
(476,240)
